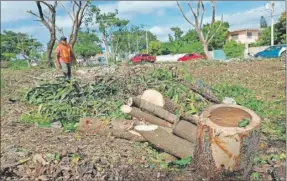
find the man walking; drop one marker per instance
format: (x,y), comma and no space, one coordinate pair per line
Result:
(64,54)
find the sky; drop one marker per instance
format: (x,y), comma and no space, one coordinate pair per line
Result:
(158,16)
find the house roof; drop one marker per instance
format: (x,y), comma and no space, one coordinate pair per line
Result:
(246,29)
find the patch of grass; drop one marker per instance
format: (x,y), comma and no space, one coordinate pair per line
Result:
(273,124)
(17,65)
(182,163)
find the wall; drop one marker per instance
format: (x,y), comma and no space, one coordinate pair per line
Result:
(255,50)
(242,38)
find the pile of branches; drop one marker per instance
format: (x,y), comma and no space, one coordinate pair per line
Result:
(68,102)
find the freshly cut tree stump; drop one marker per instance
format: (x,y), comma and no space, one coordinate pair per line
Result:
(135,112)
(223,148)
(152,108)
(185,130)
(168,142)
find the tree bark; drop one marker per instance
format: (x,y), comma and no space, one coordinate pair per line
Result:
(207,53)
(185,130)
(152,108)
(166,141)
(135,112)
(50,48)
(223,149)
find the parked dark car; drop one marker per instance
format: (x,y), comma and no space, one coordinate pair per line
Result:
(143,58)
(277,51)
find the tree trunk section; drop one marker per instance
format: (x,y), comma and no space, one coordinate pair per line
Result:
(223,149)
(166,141)
(185,130)
(207,53)
(152,108)
(49,49)
(135,112)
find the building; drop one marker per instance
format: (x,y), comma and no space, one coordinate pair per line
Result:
(245,36)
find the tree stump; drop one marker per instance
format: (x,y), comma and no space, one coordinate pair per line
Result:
(223,149)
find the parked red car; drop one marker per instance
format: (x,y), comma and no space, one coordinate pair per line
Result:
(143,58)
(191,56)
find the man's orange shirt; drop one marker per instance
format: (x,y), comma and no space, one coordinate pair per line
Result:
(65,53)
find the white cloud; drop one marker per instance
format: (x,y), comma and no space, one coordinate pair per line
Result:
(129,9)
(17,10)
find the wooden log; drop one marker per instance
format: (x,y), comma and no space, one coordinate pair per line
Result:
(223,148)
(168,142)
(152,108)
(127,136)
(190,118)
(205,95)
(153,97)
(185,130)
(135,112)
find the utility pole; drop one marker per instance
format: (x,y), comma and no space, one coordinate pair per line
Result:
(272,22)
(137,42)
(146,41)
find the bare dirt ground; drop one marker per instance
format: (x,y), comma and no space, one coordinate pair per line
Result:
(117,159)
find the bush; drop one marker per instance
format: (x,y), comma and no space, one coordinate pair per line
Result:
(232,49)
(194,47)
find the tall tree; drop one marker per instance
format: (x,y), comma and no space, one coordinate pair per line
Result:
(198,24)
(13,44)
(263,23)
(107,23)
(280,27)
(177,33)
(48,19)
(87,44)
(79,10)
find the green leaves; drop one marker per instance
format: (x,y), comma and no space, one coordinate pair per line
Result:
(244,122)
(181,163)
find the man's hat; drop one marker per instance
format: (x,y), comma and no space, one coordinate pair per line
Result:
(63,38)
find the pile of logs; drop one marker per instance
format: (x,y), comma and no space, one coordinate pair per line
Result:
(173,134)
(219,146)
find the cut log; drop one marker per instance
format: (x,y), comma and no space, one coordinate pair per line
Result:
(135,112)
(168,142)
(152,108)
(205,95)
(185,130)
(127,136)
(222,147)
(153,97)
(190,118)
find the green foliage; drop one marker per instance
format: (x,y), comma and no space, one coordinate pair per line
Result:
(177,33)
(219,38)
(263,23)
(154,47)
(242,96)
(243,123)
(87,44)
(280,28)
(255,176)
(195,47)
(13,44)
(232,49)
(17,65)
(181,163)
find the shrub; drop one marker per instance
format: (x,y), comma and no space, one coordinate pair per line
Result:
(232,49)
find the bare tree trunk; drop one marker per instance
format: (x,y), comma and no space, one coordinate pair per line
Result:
(198,24)
(49,21)
(207,53)
(49,49)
